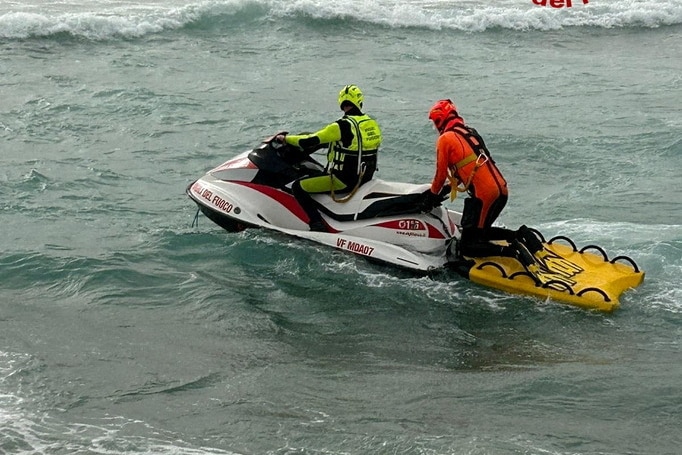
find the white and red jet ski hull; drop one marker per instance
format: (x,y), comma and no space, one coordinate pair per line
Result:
(236,196)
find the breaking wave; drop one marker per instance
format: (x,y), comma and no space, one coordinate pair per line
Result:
(101,20)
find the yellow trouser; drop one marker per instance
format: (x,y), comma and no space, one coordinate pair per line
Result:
(321,184)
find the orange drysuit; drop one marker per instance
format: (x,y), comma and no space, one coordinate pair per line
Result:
(461,152)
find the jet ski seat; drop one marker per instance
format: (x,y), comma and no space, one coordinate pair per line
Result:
(376,198)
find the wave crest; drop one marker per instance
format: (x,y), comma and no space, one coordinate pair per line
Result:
(135,21)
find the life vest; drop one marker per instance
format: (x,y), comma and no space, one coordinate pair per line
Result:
(360,156)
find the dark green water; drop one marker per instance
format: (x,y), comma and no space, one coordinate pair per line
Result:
(123,329)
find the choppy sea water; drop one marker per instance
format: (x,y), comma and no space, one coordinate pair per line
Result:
(123,329)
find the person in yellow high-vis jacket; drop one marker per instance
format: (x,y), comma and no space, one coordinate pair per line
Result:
(353,143)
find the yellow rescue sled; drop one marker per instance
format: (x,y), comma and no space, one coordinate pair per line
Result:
(586,278)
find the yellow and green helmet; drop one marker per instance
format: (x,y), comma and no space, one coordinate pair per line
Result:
(352,94)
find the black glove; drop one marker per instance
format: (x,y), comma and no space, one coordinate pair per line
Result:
(430,201)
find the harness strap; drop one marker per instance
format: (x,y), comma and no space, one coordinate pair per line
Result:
(454,183)
(480,155)
(474,139)
(361,152)
(348,197)
(358,138)
(464,161)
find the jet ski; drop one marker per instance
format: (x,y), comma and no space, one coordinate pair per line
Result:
(383,222)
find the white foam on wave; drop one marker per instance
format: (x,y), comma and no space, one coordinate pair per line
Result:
(94,26)
(34,431)
(102,19)
(481,15)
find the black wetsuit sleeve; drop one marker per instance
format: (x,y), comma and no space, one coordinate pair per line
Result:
(346,132)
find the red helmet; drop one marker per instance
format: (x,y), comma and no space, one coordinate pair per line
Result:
(441,112)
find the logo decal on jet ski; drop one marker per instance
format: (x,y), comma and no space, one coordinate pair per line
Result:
(222,204)
(197,188)
(411,225)
(216,200)
(201,191)
(355,247)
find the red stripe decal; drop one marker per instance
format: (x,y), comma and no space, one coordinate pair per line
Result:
(285,199)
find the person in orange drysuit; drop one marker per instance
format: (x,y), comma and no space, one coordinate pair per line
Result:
(464,160)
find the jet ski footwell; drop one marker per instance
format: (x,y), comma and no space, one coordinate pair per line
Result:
(586,278)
